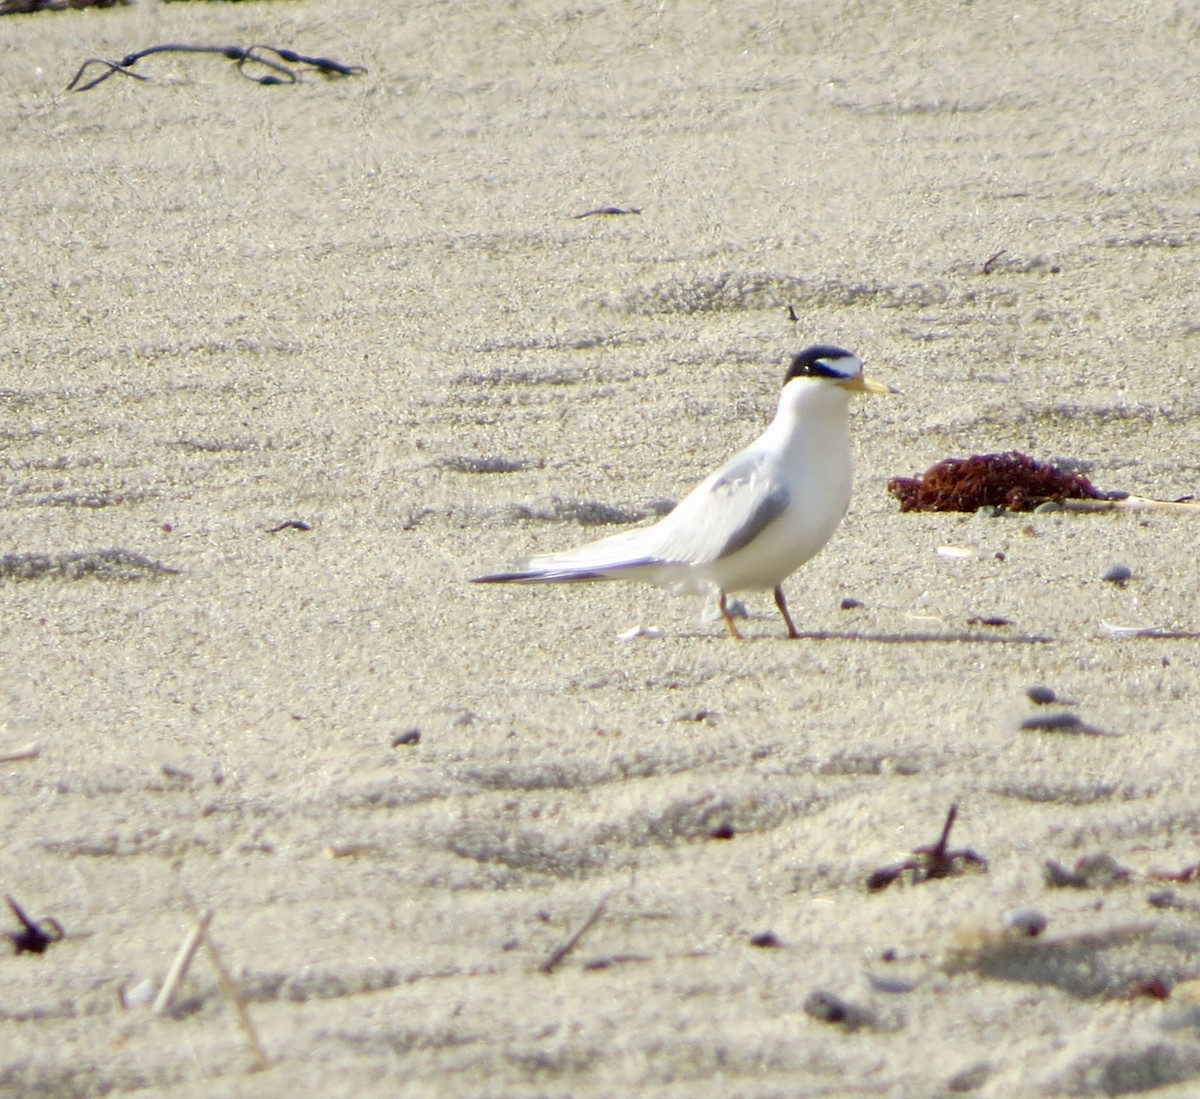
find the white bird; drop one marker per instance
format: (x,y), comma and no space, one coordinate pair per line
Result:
(751,523)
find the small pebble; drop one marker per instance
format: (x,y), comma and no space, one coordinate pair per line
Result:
(141,994)
(409,736)
(828,1008)
(849,603)
(1057,876)
(1043,696)
(974,1077)
(766,940)
(1090,872)
(1026,921)
(894,986)
(1168,898)
(1048,508)
(1152,988)
(1118,574)
(1072,465)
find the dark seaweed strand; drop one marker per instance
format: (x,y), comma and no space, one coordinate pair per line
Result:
(279,72)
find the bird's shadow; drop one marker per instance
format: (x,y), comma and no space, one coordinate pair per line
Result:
(894,638)
(927,638)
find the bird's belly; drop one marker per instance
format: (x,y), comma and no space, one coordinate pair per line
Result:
(780,549)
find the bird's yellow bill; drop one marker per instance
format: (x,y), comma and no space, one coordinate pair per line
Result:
(860,383)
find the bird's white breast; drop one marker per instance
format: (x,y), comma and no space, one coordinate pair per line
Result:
(809,444)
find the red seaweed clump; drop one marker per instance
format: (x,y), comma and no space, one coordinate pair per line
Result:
(1012,480)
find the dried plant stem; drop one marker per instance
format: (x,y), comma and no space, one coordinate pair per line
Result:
(182,962)
(560,952)
(230,990)
(30,751)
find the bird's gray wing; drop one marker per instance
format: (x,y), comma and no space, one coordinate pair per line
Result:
(721,515)
(725,513)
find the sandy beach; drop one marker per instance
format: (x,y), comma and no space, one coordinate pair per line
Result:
(282,367)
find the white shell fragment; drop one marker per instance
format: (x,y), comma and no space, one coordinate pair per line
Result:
(956,553)
(1132,631)
(140,995)
(653,632)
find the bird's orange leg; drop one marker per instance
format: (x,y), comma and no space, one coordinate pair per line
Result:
(733,630)
(781,603)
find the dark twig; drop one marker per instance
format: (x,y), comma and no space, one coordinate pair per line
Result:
(607,962)
(929,862)
(560,952)
(608,211)
(279,73)
(35,936)
(940,859)
(989,264)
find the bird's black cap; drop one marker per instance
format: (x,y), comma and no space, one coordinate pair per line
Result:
(823,361)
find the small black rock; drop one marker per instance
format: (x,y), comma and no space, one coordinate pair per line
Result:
(766,940)
(827,1007)
(1043,696)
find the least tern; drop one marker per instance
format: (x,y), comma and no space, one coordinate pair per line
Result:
(751,523)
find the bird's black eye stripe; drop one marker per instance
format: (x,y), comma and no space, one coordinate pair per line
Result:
(815,362)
